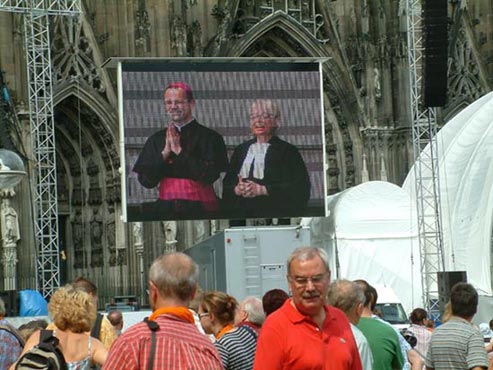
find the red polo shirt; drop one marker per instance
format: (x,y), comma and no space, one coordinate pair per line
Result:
(290,340)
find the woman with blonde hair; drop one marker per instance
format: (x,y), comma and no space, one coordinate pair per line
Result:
(236,345)
(73,313)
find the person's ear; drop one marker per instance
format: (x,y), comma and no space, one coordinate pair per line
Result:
(153,290)
(359,309)
(243,315)
(194,292)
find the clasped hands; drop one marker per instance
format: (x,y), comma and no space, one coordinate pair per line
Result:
(172,144)
(249,189)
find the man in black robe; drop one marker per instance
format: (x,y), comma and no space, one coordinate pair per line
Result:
(184,160)
(267,176)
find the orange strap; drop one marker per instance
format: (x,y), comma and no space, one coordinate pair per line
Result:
(180,312)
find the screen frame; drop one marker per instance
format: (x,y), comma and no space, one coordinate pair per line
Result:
(167,64)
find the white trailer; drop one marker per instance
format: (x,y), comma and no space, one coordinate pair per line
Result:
(247,261)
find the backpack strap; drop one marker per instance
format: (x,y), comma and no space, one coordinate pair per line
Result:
(154,327)
(10,329)
(47,336)
(96,328)
(49,342)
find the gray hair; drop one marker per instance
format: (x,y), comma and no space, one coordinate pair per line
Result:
(272,106)
(175,275)
(255,310)
(345,295)
(308,253)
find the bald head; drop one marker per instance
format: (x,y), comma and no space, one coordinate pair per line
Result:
(348,297)
(116,319)
(175,275)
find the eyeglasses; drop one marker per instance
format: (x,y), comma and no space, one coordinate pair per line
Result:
(303,280)
(203,314)
(263,116)
(176,102)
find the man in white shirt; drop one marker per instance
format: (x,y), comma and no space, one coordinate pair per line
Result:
(349,298)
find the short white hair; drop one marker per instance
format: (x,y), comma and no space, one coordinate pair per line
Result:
(308,253)
(255,310)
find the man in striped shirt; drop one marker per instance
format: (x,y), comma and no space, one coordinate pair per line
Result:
(250,313)
(178,345)
(457,344)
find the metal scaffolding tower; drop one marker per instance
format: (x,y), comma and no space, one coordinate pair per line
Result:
(39,71)
(427,185)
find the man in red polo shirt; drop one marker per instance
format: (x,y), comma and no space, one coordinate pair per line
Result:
(305,333)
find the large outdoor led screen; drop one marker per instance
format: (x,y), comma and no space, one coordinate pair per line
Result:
(221,139)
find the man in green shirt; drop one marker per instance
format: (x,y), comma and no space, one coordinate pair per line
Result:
(383,340)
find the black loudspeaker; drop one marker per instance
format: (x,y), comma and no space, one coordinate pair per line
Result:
(446,280)
(435,32)
(11,300)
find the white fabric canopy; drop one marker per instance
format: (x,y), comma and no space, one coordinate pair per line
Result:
(465,161)
(371,235)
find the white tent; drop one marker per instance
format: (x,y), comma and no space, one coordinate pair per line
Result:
(465,161)
(371,235)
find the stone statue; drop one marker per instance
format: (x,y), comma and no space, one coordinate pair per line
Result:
(96,240)
(10,225)
(179,37)
(78,234)
(10,237)
(96,230)
(78,239)
(200,231)
(137,232)
(378,89)
(170,228)
(214,226)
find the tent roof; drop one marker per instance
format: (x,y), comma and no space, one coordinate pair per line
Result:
(465,162)
(370,228)
(374,209)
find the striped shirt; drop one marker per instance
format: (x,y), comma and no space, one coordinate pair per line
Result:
(179,346)
(423,336)
(456,345)
(237,348)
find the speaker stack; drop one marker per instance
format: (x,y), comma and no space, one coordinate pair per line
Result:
(446,280)
(435,29)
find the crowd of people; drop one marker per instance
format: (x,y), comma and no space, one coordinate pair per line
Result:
(320,325)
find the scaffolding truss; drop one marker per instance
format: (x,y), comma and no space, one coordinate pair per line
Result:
(427,184)
(47,7)
(39,73)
